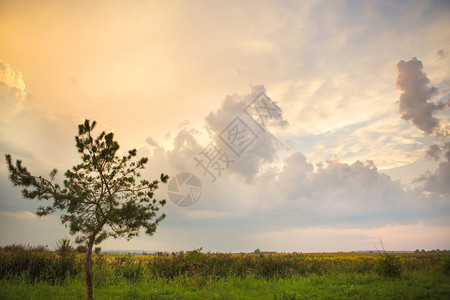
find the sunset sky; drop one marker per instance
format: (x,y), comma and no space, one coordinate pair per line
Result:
(358,149)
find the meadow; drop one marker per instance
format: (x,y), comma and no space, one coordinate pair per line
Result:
(38,274)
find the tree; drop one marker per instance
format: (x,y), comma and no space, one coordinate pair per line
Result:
(101,197)
(81,249)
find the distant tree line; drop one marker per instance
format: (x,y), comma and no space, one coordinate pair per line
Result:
(432,251)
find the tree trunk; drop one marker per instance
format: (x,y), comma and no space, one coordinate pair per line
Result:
(88,270)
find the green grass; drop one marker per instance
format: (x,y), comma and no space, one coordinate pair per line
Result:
(194,275)
(410,285)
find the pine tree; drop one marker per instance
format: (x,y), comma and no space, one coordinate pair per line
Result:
(101,197)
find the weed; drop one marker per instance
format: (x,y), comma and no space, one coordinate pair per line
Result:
(389,265)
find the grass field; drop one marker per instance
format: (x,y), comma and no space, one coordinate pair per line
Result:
(194,275)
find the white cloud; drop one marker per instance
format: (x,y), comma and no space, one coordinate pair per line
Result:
(12,78)
(258,118)
(438,181)
(295,194)
(12,91)
(329,65)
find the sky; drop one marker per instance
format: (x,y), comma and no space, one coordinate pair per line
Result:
(328,121)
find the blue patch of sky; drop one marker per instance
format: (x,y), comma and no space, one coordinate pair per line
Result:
(332,139)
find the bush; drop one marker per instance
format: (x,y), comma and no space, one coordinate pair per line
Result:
(81,249)
(15,248)
(38,266)
(389,265)
(446,265)
(40,248)
(108,270)
(63,247)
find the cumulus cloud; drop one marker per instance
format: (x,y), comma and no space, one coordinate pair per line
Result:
(13,78)
(297,196)
(414,105)
(185,147)
(243,127)
(359,190)
(235,140)
(437,182)
(28,132)
(293,192)
(296,176)
(316,59)
(337,193)
(12,91)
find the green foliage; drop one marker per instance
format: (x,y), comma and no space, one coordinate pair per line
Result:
(20,247)
(110,269)
(15,248)
(446,265)
(63,247)
(97,250)
(389,265)
(414,285)
(81,249)
(101,196)
(195,257)
(38,266)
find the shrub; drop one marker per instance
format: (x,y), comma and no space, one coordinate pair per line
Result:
(40,248)
(63,246)
(38,266)
(15,248)
(446,265)
(81,249)
(53,267)
(389,265)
